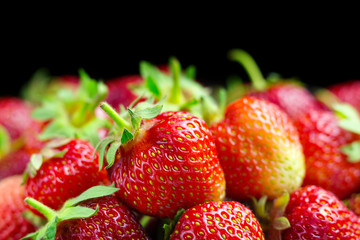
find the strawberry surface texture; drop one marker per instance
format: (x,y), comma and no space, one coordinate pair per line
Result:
(13,225)
(171,164)
(259,150)
(61,178)
(226,220)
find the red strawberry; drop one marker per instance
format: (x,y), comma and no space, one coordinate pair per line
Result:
(17,135)
(314,213)
(326,165)
(113,221)
(170,163)
(13,225)
(259,150)
(94,214)
(290,96)
(15,116)
(213,220)
(120,92)
(68,171)
(348,92)
(14,163)
(354,203)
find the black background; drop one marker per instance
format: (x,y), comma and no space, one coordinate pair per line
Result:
(317,57)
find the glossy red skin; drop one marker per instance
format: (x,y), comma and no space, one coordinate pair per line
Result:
(348,92)
(171,164)
(113,221)
(62,178)
(295,100)
(326,165)
(315,213)
(354,203)
(259,150)
(120,92)
(214,220)
(13,225)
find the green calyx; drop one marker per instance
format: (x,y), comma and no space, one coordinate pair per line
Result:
(49,151)
(127,124)
(73,115)
(171,223)
(179,90)
(70,210)
(349,119)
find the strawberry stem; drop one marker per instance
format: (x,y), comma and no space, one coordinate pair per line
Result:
(175,96)
(121,122)
(45,210)
(250,67)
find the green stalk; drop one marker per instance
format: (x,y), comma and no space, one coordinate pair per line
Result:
(121,122)
(250,67)
(45,210)
(175,96)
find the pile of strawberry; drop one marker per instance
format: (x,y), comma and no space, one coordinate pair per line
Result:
(160,156)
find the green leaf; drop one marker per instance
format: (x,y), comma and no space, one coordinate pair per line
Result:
(126,136)
(93,192)
(46,112)
(135,119)
(281,223)
(349,117)
(151,85)
(260,207)
(30,236)
(57,129)
(352,150)
(189,104)
(34,164)
(50,232)
(280,203)
(111,153)
(169,227)
(77,212)
(102,146)
(190,72)
(149,113)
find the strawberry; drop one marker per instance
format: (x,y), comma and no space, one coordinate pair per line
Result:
(94,214)
(289,95)
(63,170)
(13,225)
(113,221)
(169,163)
(314,213)
(120,92)
(348,92)
(17,135)
(327,165)
(218,220)
(354,203)
(259,150)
